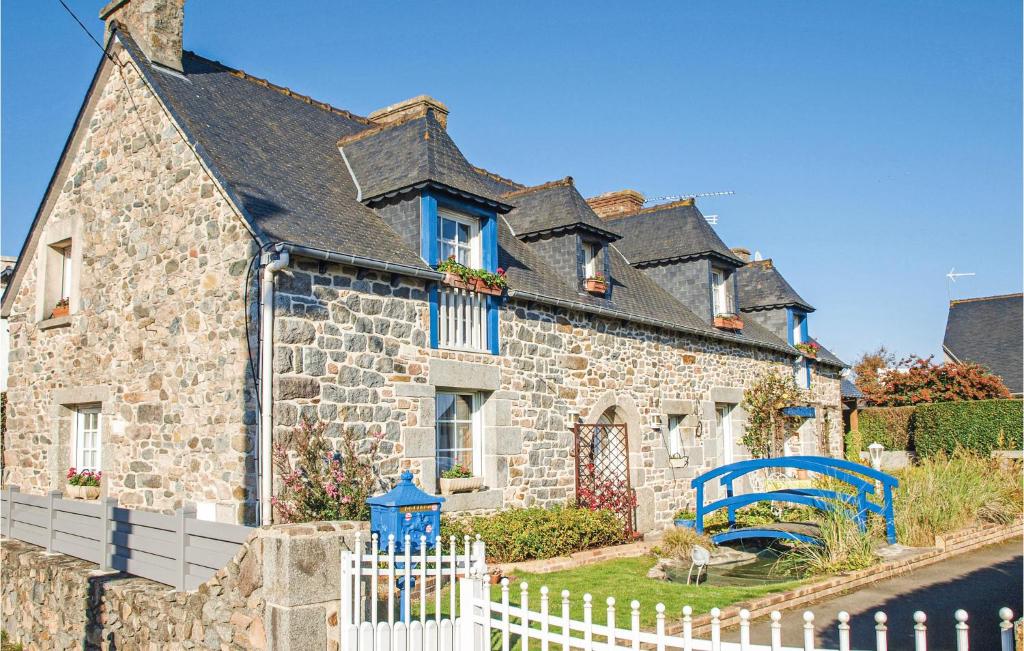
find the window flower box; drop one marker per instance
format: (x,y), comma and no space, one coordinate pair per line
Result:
(491,290)
(809,350)
(481,281)
(84,492)
(60,309)
(84,485)
(596,285)
(453,280)
(728,322)
(451,485)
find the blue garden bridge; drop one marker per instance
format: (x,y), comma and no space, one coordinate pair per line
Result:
(856,504)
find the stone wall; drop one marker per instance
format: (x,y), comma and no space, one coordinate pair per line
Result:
(156,334)
(278,592)
(352,349)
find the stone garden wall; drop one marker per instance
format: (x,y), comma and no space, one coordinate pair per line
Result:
(351,349)
(279,592)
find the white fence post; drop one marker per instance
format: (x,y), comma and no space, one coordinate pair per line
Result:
(920,632)
(5,504)
(107,505)
(962,641)
(51,514)
(345,610)
(186,511)
(776,630)
(844,630)
(470,635)
(881,639)
(1006,629)
(808,631)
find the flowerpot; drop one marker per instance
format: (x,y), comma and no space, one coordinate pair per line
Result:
(461,485)
(686,524)
(453,280)
(83,492)
(802,474)
(484,288)
(729,322)
(596,286)
(59,312)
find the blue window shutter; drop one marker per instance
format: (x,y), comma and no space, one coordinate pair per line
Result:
(803,329)
(493,314)
(433,315)
(807,369)
(489,242)
(428,229)
(789,326)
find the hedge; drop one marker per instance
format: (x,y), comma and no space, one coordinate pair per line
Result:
(893,427)
(978,425)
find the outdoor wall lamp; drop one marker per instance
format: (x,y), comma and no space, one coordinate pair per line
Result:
(875,453)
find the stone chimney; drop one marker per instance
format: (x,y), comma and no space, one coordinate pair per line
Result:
(411,109)
(742,253)
(156,25)
(612,205)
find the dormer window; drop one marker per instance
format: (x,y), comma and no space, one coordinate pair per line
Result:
(594,276)
(798,327)
(458,236)
(721,297)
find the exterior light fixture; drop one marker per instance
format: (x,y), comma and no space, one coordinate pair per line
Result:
(875,453)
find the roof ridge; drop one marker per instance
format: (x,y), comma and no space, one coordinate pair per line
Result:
(688,201)
(978,299)
(496,177)
(284,90)
(527,189)
(374,130)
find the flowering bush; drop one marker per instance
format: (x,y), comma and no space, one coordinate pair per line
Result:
(321,483)
(468,275)
(917,380)
(458,471)
(809,349)
(767,427)
(606,494)
(84,478)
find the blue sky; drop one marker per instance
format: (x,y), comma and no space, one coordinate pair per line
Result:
(871,145)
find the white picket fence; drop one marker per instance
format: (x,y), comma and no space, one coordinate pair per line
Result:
(374,616)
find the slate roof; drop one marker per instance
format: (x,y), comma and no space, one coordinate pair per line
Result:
(553,207)
(669,232)
(277,153)
(409,154)
(849,390)
(987,331)
(826,356)
(761,286)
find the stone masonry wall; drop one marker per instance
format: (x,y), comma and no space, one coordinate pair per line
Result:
(351,348)
(156,334)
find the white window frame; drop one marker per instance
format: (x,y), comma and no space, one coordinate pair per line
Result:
(724,430)
(591,255)
(477,429)
(66,272)
(798,328)
(802,374)
(675,439)
(86,456)
(719,292)
(472,246)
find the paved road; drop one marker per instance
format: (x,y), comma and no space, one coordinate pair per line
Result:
(980,582)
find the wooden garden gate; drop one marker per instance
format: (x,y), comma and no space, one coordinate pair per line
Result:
(602,469)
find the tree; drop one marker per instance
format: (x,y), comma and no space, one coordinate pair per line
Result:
(767,427)
(869,369)
(918,380)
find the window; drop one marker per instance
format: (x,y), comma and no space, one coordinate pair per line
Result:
(87,438)
(593,264)
(459,432)
(65,273)
(723,431)
(720,292)
(458,236)
(798,327)
(675,440)
(802,373)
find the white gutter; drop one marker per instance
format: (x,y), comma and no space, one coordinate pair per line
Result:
(270,267)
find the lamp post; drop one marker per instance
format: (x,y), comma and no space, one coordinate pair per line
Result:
(875,454)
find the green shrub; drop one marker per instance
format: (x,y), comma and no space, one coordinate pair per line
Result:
(853,445)
(977,425)
(844,547)
(519,534)
(941,494)
(893,427)
(677,543)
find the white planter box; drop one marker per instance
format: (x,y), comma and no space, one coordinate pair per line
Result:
(461,485)
(84,492)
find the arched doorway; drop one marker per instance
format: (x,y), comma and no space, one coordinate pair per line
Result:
(602,465)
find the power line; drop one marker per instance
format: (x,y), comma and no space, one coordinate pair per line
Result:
(85,29)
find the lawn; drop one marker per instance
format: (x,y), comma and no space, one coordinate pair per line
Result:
(626,580)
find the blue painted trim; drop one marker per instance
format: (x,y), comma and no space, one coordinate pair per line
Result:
(460,205)
(804,337)
(434,311)
(428,229)
(789,326)
(807,369)
(801,412)
(740,534)
(493,316)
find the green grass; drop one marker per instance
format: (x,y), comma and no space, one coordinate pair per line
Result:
(625,579)
(7,645)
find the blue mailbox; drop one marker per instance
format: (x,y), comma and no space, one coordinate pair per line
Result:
(405,509)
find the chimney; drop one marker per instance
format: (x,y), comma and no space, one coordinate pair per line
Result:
(410,109)
(612,205)
(155,25)
(742,253)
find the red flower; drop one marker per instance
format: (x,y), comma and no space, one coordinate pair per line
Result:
(501,271)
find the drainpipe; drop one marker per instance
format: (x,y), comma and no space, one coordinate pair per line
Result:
(270,267)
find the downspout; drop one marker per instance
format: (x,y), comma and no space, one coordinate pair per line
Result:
(270,267)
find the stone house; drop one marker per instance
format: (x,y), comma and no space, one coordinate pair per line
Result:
(236,256)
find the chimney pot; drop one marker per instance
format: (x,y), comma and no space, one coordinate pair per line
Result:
(409,109)
(612,205)
(155,25)
(742,253)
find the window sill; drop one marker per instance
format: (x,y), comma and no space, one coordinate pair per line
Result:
(54,322)
(485,499)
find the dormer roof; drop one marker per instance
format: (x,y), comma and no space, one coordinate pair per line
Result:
(554,207)
(762,287)
(670,232)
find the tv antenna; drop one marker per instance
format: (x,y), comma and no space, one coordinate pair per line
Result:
(711,219)
(951,279)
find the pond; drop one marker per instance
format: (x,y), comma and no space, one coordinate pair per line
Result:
(761,569)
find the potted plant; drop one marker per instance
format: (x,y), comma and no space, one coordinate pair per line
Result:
(85,484)
(728,321)
(492,284)
(457,275)
(686,519)
(60,309)
(459,479)
(809,349)
(596,284)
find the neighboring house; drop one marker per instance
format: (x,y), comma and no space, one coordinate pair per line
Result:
(987,331)
(242,256)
